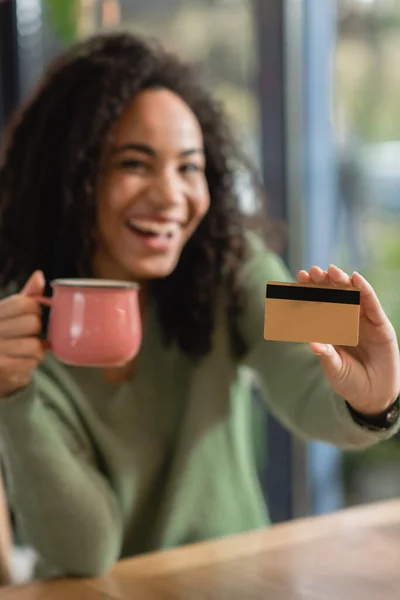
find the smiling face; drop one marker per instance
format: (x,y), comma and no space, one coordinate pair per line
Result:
(152,191)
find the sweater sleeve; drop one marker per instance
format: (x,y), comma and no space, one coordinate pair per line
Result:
(64,506)
(290,375)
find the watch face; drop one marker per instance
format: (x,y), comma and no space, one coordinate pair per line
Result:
(393,413)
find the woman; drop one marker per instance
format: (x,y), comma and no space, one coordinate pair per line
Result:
(123,167)
(5,538)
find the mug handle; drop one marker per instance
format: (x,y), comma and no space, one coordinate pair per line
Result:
(46,302)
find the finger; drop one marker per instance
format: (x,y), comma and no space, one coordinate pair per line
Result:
(303,277)
(330,359)
(338,276)
(29,347)
(17,305)
(20,378)
(17,371)
(319,276)
(372,307)
(21,326)
(35,285)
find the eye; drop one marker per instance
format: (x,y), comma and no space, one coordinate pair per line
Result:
(134,165)
(191,168)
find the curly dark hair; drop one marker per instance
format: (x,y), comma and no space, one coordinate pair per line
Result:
(50,169)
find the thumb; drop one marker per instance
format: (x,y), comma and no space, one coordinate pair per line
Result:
(35,285)
(330,359)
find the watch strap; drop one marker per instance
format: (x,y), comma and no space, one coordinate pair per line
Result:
(380,422)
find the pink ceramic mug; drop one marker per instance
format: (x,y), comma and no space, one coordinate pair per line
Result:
(94,322)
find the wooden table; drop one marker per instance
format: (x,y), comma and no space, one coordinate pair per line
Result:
(350,555)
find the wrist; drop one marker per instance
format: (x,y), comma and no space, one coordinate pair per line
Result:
(377,421)
(375,412)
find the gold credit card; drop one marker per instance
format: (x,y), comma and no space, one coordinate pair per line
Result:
(310,313)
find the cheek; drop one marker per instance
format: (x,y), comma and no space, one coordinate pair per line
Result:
(199,205)
(200,201)
(115,193)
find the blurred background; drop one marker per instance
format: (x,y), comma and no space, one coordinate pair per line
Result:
(313,88)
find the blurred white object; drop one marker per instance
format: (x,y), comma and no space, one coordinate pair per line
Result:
(22,564)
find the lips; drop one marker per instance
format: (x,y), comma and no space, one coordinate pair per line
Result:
(154,228)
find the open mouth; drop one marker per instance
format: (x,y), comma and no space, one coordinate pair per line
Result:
(153,229)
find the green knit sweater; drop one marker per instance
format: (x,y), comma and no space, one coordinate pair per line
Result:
(97,472)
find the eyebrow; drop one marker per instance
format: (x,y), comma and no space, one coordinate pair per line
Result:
(149,151)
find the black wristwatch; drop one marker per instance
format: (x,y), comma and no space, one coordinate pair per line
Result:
(380,422)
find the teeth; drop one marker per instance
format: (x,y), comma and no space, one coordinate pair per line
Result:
(148,226)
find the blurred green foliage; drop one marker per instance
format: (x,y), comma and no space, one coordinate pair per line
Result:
(63,16)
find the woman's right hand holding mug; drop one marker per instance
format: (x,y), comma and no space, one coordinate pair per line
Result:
(21,349)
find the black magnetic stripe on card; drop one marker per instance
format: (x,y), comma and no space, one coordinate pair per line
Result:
(312,294)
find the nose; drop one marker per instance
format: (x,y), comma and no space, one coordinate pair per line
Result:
(166,190)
